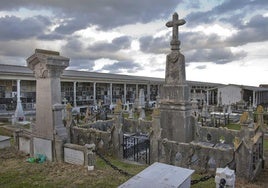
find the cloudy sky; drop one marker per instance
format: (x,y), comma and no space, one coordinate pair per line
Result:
(224,41)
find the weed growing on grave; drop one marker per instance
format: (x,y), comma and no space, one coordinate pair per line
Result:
(234,126)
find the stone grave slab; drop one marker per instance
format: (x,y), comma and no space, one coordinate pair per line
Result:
(4,141)
(43,146)
(24,145)
(74,156)
(161,175)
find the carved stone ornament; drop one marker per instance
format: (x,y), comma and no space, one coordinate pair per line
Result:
(40,71)
(173,56)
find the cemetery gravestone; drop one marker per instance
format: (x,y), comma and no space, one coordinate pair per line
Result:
(49,132)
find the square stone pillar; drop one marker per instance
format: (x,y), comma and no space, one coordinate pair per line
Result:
(48,67)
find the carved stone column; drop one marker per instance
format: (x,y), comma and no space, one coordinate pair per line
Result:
(48,67)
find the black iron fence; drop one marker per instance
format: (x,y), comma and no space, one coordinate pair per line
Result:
(136,148)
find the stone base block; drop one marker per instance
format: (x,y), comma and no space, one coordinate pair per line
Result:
(43,146)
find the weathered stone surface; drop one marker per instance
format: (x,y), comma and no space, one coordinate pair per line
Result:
(43,146)
(73,156)
(25,145)
(4,141)
(47,67)
(161,175)
(175,106)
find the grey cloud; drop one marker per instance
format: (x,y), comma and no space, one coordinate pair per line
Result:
(254,31)
(189,41)
(51,36)
(18,48)
(193,4)
(14,28)
(226,10)
(198,40)
(105,14)
(123,42)
(78,64)
(154,45)
(118,67)
(116,44)
(76,50)
(159,69)
(70,26)
(217,55)
(201,67)
(9,60)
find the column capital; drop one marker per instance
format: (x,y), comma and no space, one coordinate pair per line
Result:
(46,63)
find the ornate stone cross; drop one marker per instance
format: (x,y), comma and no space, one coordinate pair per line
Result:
(175,23)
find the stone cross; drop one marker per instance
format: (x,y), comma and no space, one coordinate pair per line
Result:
(175,23)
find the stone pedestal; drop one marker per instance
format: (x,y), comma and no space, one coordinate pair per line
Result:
(175,107)
(49,129)
(175,113)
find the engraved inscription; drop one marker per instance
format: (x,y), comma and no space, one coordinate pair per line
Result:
(74,156)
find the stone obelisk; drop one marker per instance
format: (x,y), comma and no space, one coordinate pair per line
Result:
(49,132)
(175,106)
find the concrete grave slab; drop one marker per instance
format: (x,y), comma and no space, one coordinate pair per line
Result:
(43,146)
(161,175)
(4,141)
(74,156)
(25,145)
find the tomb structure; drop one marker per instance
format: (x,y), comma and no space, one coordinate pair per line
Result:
(178,139)
(48,132)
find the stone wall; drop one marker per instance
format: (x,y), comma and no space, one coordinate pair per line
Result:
(134,126)
(106,135)
(213,135)
(194,155)
(101,139)
(200,154)
(100,125)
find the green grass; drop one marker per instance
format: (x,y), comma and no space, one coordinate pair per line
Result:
(234,126)
(16,172)
(210,183)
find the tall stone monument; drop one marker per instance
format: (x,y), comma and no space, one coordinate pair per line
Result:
(175,106)
(49,133)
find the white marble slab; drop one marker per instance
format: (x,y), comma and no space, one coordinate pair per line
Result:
(160,175)
(24,145)
(74,156)
(43,146)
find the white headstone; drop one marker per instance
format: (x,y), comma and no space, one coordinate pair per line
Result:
(161,175)
(24,145)
(141,99)
(74,156)
(42,146)
(225,175)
